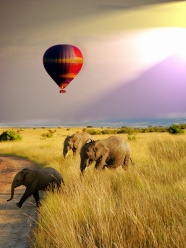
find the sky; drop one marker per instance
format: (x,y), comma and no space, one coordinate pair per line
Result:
(134,60)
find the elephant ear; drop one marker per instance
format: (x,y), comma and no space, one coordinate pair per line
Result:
(100,151)
(76,140)
(28,176)
(105,150)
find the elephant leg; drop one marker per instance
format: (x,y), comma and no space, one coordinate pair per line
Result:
(111,167)
(36,197)
(112,163)
(26,195)
(100,164)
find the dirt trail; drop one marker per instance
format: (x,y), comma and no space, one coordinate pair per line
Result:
(15,224)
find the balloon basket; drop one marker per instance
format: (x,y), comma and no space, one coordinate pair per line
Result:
(62,91)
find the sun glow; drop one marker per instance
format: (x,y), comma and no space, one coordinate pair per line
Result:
(155,45)
(180,49)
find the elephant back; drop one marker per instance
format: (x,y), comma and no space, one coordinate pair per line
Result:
(46,176)
(115,140)
(117,144)
(84,137)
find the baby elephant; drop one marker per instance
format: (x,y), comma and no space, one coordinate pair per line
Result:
(35,180)
(111,152)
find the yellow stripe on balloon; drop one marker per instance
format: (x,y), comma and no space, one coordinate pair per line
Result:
(70,60)
(69,75)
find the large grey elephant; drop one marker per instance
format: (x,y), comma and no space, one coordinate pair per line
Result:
(111,152)
(75,143)
(35,180)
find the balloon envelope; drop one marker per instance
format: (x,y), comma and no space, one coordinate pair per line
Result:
(63,62)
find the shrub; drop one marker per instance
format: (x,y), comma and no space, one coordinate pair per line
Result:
(47,135)
(10,135)
(128,130)
(182,126)
(175,129)
(51,131)
(132,138)
(108,131)
(93,132)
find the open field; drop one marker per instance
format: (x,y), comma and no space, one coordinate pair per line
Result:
(142,207)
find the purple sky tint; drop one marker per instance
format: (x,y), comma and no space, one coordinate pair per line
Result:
(125,45)
(158,91)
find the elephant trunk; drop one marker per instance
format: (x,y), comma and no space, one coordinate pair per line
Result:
(65,151)
(84,164)
(65,154)
(12,192)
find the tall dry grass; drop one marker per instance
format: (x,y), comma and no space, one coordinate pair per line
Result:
(142,207)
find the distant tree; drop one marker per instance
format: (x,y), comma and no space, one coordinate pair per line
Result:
(175,129)
(10,136)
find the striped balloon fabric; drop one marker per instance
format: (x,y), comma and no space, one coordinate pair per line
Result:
(63,62)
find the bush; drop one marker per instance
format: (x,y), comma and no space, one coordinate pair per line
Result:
(132,138)
(9,136)
(108,131)
(182,126)
(128,130)
(93,132)
(51,131)
(47,135)
(175,129)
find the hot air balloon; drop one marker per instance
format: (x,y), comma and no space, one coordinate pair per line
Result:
(63,62)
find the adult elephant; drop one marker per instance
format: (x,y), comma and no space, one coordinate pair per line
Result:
(111,152)
(35,180)
(75,143)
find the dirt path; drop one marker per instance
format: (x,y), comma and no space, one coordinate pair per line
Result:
(15,224)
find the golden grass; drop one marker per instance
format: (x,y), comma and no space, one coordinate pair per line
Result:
(142,207)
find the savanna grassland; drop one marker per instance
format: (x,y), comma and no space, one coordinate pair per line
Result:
(144,206)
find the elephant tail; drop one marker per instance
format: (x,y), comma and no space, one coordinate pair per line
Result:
(132,161)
